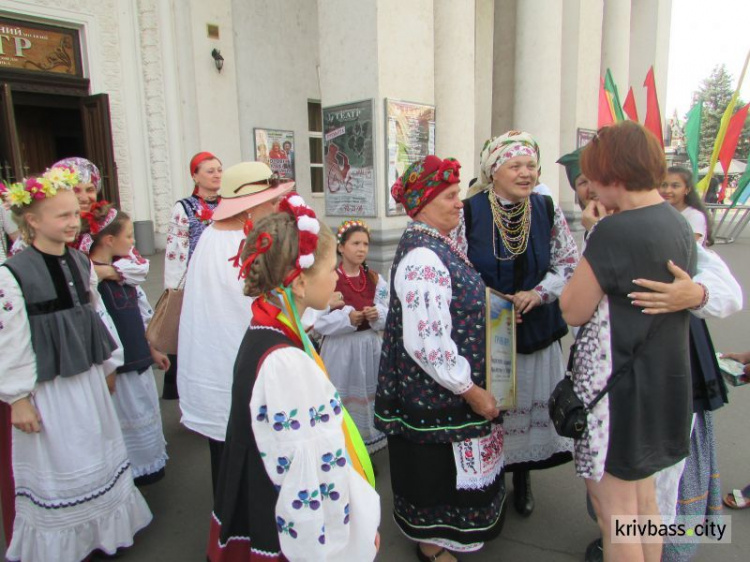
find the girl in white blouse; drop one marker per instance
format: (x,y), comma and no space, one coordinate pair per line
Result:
(678,190)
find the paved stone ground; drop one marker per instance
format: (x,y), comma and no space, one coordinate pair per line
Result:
(558,531)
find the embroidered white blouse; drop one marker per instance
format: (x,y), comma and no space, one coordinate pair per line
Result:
(178,244)
(325,510)
(17,359)
(427,322)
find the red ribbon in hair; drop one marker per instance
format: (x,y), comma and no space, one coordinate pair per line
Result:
(262,244)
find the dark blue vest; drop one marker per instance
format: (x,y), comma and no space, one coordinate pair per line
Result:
(544,325)
(121,301)
(409,402)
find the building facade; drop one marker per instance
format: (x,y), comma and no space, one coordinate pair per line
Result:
(486,66)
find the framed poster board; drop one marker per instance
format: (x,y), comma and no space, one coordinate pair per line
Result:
(410,136)
(501,349)
(348,159)
(275,147)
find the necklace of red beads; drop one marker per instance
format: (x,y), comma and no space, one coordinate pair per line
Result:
(348,280)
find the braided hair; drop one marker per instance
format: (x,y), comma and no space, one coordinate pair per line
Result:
(269,269)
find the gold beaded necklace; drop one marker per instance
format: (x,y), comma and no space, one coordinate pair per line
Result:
(513,225)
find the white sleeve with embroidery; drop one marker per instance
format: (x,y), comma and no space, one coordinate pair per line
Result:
(178,244)
(724,292)
(325,509)
(382,301)
(335,322)
(133,268)
(17,359)
(117,359)
(423,286)
(564,258)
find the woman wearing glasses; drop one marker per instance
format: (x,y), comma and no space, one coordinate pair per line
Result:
(215,311)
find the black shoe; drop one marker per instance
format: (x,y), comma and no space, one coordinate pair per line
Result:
(523,499)
(595,552)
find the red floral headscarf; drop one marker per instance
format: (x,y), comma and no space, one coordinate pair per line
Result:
(423,181)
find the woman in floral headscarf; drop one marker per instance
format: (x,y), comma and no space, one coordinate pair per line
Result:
(431,401)
(521,245)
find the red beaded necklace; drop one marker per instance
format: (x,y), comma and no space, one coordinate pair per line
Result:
(349,281)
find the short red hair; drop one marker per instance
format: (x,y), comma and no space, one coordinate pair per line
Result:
(625,153)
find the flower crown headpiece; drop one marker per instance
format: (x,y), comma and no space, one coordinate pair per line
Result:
(347,225)
(95,227)
(308,228)
(32,189)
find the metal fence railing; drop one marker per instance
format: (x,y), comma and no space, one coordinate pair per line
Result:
(729,222)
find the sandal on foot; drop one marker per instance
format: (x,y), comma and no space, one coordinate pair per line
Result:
(433,558)
(736,500)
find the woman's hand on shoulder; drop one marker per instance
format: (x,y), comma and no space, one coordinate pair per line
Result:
(681,294)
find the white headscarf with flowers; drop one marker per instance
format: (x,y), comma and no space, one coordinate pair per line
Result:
(499,150)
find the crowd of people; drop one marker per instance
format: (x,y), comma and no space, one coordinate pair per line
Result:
(296,361)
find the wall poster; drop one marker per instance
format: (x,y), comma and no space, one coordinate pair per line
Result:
(276,148)
(348,160)
(410,136)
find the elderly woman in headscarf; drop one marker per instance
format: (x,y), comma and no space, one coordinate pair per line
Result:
(444,438)
(520,244)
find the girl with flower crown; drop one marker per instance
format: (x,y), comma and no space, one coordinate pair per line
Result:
(296,481)
(351,345)
(73,484)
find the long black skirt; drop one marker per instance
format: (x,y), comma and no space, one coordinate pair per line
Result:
(428,507)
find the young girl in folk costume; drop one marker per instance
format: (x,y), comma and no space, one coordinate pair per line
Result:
(351,346)
(132,268)
(678,190)
(73,484)
(296,481)
(108,233)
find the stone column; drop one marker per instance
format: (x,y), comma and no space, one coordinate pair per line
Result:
(377,49)
(616,43)
(454,85)
(503,66)
(582,28)
(484,25)
(538,81)
(649,45)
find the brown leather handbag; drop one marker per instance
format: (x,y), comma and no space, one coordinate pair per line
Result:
(163,329)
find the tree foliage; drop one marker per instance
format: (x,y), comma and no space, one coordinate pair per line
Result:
(716,92)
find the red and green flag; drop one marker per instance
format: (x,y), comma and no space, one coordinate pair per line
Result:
(613,95)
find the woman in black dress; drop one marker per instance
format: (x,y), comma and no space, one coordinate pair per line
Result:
(643,424)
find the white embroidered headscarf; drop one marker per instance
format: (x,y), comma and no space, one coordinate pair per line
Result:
(499,150)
